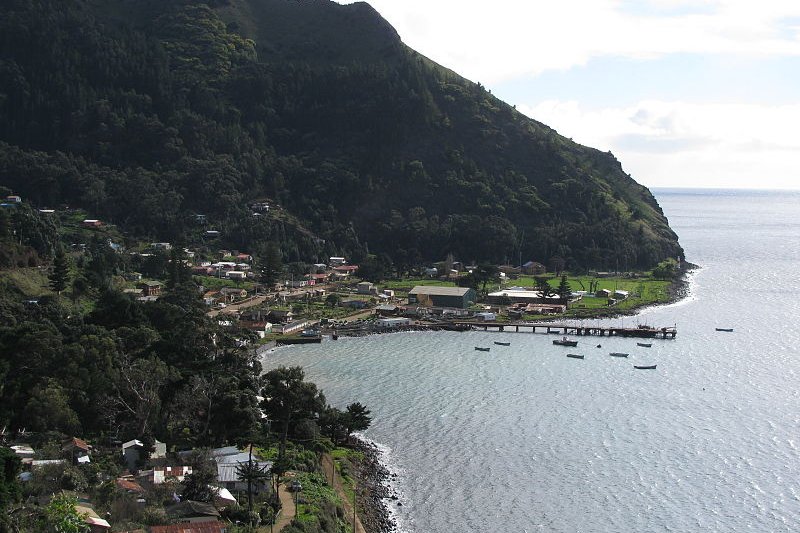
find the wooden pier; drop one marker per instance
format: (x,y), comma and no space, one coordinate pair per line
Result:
(643,332)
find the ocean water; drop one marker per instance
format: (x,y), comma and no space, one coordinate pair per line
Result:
(525,439)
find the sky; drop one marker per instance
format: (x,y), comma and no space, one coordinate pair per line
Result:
(700,93)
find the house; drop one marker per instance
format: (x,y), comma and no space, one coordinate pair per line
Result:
(620,294)
(92,519)
(533,268)
(223,266)
(603,293)
(391,323)
(210,297)
(545,309)
(212,233)
(129,486)
(485,317)
(232,293)
(432,272)
(203,271)
(387,310)
(236,275)
(150,288)
(365,287)
(228,461)
(260,328)
(292,327)
(14,199)
(354,304)
(133,276)
(78,450)
(344,270)
(434,296)
(133,452)
(336,261)
(521,295)
(389,293)
(91,223)
(280,315)
(161,246)
(244,257)
(23,451)
(162,474)
(191,511)
(319,278)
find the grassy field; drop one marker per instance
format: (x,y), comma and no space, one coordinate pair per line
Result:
(408,284)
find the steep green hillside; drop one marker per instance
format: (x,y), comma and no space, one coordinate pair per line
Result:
(146,113)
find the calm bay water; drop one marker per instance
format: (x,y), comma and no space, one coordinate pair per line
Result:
(525,439)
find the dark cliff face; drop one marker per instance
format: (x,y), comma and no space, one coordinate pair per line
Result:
(147,112)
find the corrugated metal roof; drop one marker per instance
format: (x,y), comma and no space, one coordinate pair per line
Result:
(226,472)
(436,290)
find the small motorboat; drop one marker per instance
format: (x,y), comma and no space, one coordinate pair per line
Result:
(575,355)
(644,344)
(645,367)
(599,345)
(618,354)
(565,342)
(725,329)
(502,343)
(481,349)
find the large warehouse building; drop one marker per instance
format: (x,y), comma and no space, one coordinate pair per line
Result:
(432,296)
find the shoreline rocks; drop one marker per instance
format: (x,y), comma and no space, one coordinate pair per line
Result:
(374,496)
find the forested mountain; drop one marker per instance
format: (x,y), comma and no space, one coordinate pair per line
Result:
(148,112)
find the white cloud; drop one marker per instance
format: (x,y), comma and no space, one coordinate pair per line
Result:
(505,39)
(664,143)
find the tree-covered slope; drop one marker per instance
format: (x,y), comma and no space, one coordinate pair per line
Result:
(148,112)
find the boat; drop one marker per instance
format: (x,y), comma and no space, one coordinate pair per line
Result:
(618,354)
(481,349)
(565,342)
(575,355)
(644,344)
(309,333)
(645,367)
(725,329)
(502,343)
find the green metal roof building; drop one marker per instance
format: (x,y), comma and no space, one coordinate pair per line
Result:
(433,296)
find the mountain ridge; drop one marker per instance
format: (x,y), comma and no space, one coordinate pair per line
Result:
(318,106)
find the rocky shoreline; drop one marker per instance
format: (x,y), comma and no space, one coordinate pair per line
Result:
(374,496)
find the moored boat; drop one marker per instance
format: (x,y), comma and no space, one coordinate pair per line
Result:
(725,329)
(645,367)
(481,349)
(618,354)
(575,355)
(502,343)
(644,344)
(565,342)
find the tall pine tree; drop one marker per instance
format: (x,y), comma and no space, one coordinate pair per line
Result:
(59,276)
